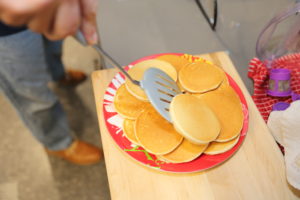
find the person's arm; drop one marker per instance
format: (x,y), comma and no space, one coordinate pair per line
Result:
(56,19)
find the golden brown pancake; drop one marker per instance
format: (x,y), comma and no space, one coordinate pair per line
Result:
(127,105)
(180,87)
(194,119)
(220,147)
(225,81)
(200,77)
(177,61)
(128,130)
(185,152)
(227,106)
(137,73)
(159,157)
(156,134)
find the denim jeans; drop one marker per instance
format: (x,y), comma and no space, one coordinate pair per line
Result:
(27,63)
(53,56)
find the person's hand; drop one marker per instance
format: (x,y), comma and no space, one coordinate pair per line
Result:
(88,24)
(56,19)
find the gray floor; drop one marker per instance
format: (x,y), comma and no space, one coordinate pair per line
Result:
(129,29)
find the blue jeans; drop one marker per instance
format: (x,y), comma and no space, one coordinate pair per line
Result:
(27,63)
(53,56)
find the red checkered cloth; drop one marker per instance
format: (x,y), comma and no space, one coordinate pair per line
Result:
(259,72)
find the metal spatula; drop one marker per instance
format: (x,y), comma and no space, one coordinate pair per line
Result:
(159,87)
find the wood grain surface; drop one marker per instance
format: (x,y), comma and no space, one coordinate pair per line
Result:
(256,171)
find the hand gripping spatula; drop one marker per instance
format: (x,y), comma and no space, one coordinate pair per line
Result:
(159,87)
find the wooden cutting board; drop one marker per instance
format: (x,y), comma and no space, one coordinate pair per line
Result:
(256,171)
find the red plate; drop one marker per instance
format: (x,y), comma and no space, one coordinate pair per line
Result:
(114,126)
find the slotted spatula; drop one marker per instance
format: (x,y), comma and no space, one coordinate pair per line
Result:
(159,87)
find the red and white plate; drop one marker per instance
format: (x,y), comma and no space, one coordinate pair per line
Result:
(114,126)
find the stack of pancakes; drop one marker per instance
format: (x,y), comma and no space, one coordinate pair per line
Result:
(207,117)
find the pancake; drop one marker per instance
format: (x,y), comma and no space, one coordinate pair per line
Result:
(128,130)
(177,61)
(155,134)
(185,152)
(137,73)
(127,105)
(221,147)
(225,81)
(200,77)
(180,87)
(159,157)
(227,106)
(224,84)
(193,119)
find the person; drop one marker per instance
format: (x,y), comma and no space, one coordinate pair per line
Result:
(29,60)
(53,55)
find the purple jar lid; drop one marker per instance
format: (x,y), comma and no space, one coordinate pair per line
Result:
(280,74)
(279,94)
(280,106)
(280,79)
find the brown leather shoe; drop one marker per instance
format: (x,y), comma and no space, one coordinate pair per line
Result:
(72,78)
(80,153)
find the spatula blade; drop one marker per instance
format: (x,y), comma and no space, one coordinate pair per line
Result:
(160,89)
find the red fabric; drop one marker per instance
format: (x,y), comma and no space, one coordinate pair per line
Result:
(259,72)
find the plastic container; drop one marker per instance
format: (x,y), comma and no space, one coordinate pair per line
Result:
(279,83)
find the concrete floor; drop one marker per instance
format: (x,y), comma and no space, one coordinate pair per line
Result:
(129,29)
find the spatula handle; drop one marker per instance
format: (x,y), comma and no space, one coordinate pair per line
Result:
(81,39)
